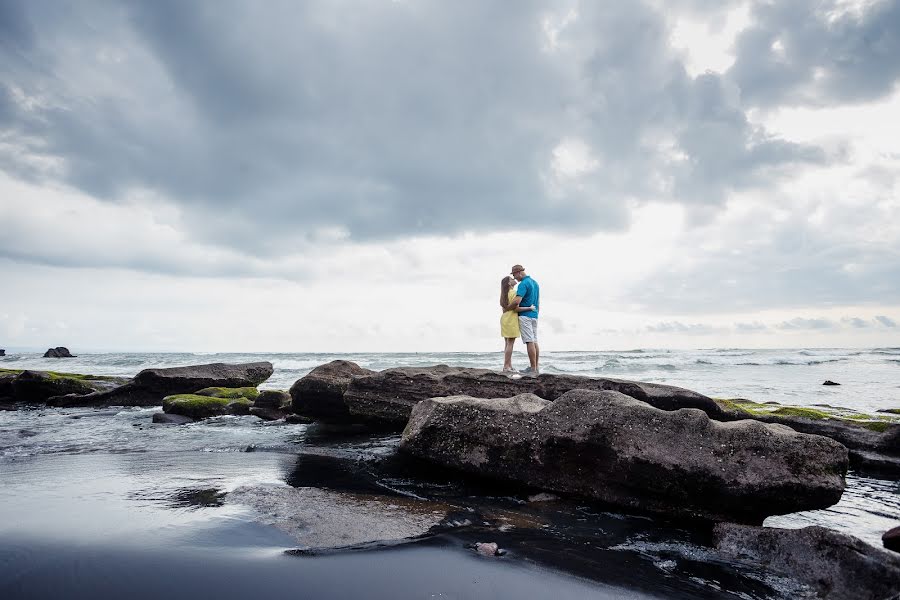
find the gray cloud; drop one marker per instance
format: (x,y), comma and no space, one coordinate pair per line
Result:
(800,323)
(753,327)
(886,321)
(681,328)
(269,123)
(802,52)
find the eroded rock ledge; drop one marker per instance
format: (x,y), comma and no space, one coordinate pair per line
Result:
(342,391)
(611,447)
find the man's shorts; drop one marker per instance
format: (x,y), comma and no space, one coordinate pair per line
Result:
(528,329)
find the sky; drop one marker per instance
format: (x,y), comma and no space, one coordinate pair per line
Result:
(347,176)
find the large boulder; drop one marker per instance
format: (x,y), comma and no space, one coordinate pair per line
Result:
(834,564)
(2,352)
(610,447)
(320,394)
(150,386)
(58,352)
(342,391)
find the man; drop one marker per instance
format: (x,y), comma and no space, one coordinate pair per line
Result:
(528,294)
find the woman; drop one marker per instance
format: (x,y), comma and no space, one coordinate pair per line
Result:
(509,320)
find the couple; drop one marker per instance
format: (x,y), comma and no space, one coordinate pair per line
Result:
(520,299)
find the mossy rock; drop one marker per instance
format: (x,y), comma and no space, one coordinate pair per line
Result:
(249,393)
(892,411)
(199,407)
(37,386)
(740,408)
(59,375)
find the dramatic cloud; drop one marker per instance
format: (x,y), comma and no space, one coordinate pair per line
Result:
(687,170)
(284,122)
(817,53)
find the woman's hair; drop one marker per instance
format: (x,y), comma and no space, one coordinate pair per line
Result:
(504,293)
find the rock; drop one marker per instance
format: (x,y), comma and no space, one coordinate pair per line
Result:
(267,414)
(250,393)
(36,387)
(891,539)
(487,548)
(6,385)
(167,419)
(298,420)
(834,564)
(320,394)
(830,382)
(2,352)
(201,407)
(150,386)
(273,399)
(610,447)
(873,441)
(58,352)
(342,391)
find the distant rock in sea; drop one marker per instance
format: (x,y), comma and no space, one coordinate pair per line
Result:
(2,352)
(58,352)
(830,382)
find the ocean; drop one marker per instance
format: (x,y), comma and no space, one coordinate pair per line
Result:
(101,502)
(869,378)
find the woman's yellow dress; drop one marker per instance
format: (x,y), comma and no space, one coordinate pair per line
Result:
(509,320)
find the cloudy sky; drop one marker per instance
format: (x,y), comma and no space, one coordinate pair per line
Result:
(358,175)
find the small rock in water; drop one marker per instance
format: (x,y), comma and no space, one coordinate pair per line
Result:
(891,539)
(830,382)
(487,548)
(167,419)
(58,352)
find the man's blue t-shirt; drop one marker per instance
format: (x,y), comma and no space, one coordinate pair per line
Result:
(531,295)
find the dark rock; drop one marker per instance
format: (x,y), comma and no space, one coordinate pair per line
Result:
(837,566)
(238,407)
(34,387)
(8,404)
(150,386)
(320,394)
(58,352)
(2,352)
(891,539)
(298,419)
(875,463)
(342,391)
(830,382)
(273,399)
(610,447)
(6,386)
(167,419)
(267,414)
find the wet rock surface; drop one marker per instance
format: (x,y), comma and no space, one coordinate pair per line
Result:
(342,391)
(321,519)
(613,448)
(837,566)
(150,386)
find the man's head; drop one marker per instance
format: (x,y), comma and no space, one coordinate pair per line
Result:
(518,271)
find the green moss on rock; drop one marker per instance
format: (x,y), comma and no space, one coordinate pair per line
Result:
(799,411)
(249,393)
(198,407)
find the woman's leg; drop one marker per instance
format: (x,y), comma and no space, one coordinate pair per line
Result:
(507,353)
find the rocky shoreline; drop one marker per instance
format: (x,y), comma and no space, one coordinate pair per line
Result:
(636,447)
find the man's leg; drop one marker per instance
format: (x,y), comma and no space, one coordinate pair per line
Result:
(532,354)
(537,355)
